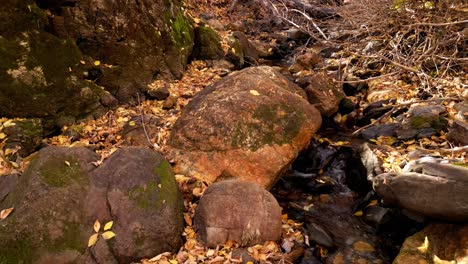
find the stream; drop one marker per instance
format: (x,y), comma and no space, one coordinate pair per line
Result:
(326,189)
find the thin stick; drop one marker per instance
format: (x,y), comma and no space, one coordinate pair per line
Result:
(142,115)
(439,24)
(368,79)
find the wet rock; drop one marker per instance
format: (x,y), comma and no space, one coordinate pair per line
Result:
(324,94)
(375,110)
(458,133)
(160,93)
(61,194)
(319,236)
(23,134)
(47,222)
(238,211)
(370,161)
(249,125)
(376,215)
(138,189)
(207,44)
(442,197)
(437,243)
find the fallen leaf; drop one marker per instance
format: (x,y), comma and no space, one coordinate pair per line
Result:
(2,135)
(97,225)
(108,235)
(92,240)
(358,213)
(97,63)
(5,213)
(254,92)
(68,164)
(108,225)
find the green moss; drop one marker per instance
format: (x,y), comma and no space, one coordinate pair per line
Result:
(181,29)
(18,251)
(56,172)
(155,194)
(271,125)
(462,164)
(437,123)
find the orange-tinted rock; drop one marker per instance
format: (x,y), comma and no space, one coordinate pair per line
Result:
(437,243)
(250,125)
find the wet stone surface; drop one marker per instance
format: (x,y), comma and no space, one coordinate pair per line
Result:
(327,190)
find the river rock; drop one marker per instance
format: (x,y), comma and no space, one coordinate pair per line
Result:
(61,194)
(442,197)
(249,125)
(242,50)
(137,190)
(238,211)
(47,221)
(437,243)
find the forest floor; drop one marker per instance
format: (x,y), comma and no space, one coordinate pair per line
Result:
(105,134)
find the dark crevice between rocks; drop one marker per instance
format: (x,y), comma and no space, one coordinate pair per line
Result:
(327,190)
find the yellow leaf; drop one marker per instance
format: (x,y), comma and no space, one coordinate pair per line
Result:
(108,225)
(108,235)
(196,20)
(92,240)
(68,164)
(97,63)
(82,62)
(173,261)
(132,123)
(97,225)
(254,92)
(2,135)
(372,203)
(249,262)
(424,247)
(14,164)
(358,213)
(5,213)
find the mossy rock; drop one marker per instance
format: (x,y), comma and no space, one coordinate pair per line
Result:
(39,73)
(207,44)
(47,220)
(140,183)
(249,125)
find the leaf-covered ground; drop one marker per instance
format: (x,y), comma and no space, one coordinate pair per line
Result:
(104,134)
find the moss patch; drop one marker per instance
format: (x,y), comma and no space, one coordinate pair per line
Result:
(271,124)
(62,171)
(437,123)
(157,193)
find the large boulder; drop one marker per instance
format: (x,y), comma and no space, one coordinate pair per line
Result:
(48,49)
(138,188)
(237,211)
(437,243)
(40,74)
(142,39)
(250,125)
(438,192)
(61,195)
(47,220)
